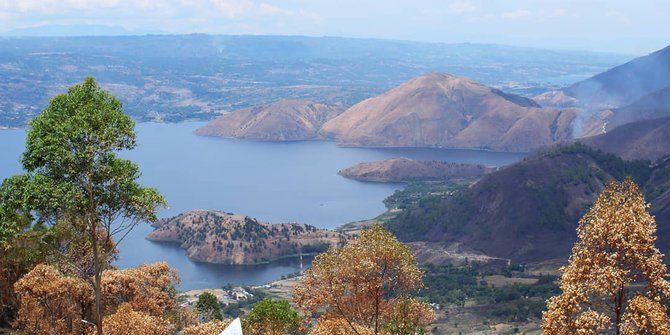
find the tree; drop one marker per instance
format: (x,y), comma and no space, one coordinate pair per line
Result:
(208,307)
(362,286)
(272,317)
(615,281)
(74,176)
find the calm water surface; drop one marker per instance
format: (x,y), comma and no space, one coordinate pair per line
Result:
(274,182)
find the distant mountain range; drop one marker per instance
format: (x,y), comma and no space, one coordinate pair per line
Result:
(433,110)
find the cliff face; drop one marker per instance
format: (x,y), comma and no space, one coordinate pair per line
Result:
(224,238)
(405,169)
(442,110)
(285,120)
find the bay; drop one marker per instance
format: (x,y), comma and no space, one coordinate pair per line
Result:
(271,181)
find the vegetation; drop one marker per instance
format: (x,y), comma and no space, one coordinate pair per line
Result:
(272,317)
(616,281)
(364,287)
(238,309)
(455,286)
(208,307)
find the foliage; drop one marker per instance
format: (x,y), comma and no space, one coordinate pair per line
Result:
(363,283)
(208,306)
(272,317)
(236,309)
(52,302)
(616,279)
(208,328)
(75,178)
(127,320)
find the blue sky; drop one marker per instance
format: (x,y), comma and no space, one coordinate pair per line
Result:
(625,26)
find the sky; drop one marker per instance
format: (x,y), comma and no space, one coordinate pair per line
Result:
(623,26)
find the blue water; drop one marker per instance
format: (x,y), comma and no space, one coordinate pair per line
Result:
(274,182)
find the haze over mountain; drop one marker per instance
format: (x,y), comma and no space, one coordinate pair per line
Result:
(626,83)
(172,78)
(447,111)
(285,120)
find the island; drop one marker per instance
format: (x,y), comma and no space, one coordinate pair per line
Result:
(226,238)
(406,169)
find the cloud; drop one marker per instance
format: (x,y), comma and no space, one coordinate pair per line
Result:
(516,14)
(462,6)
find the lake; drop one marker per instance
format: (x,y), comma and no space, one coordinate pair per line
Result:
(273,182)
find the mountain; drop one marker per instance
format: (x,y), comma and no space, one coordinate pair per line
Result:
(648,139)
(225,238)
(443,110)
(528,212)
(285,120)
(405,169)
(626,83)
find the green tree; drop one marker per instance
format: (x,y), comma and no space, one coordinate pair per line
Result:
(208,307)
(272,317)
(75,178)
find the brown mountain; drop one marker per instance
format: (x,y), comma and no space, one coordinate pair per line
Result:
(285,120)
(648,139)
(405,169)
(442,110)
(528,212)
(225,238)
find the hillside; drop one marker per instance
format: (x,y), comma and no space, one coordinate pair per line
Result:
(442,110)
(225,238)
(624,84)
(405,169)
(285,120)
(528,212)
(646,139)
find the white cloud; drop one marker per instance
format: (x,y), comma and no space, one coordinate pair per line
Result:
(560,12)
(462,6)
(516,14)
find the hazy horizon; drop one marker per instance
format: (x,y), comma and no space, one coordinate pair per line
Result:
(592,25)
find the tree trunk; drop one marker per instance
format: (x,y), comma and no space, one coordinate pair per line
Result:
(618,309)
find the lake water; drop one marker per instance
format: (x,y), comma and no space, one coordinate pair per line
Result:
(273,182)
